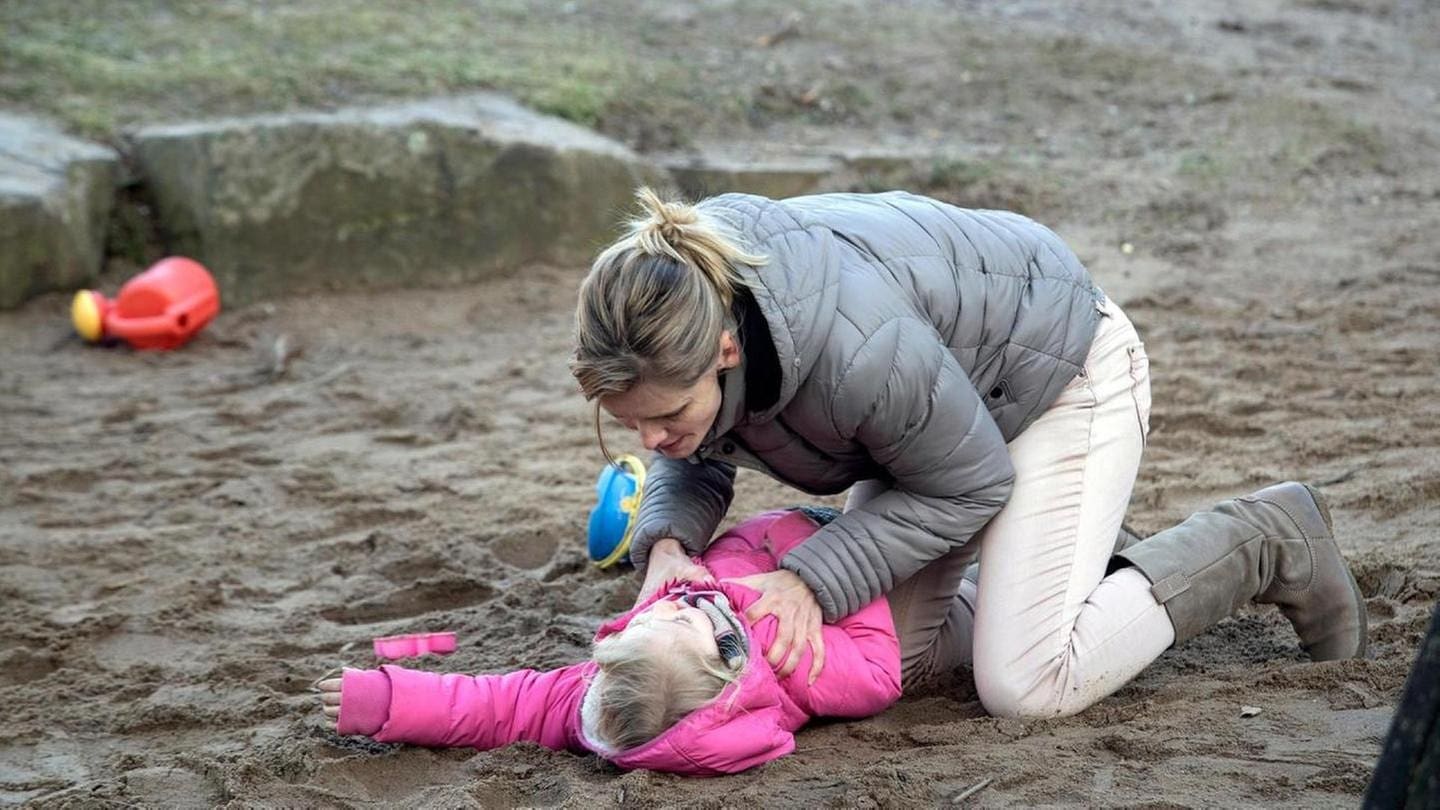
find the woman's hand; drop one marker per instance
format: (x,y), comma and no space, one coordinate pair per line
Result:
(330,698)
(668,561)
(786,597)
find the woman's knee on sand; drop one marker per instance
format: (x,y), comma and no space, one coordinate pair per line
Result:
(1095,660)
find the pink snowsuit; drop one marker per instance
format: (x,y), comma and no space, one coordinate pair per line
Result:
(751,722)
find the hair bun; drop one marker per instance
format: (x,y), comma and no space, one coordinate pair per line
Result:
(667,220)
(655,302)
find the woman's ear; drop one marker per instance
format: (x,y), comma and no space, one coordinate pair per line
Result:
(729,351)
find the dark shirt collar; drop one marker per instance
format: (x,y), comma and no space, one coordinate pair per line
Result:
(732,399)
(752,386)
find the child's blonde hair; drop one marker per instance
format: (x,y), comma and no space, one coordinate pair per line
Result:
(643,691)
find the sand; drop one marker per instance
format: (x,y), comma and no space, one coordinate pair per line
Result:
(189,540)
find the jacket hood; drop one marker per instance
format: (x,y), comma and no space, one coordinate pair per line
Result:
(744,726)
(797,290)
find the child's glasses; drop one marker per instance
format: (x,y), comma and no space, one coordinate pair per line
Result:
(729,637)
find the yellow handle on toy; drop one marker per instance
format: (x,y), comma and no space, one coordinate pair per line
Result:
(635,467)
(87,316)
(629,505)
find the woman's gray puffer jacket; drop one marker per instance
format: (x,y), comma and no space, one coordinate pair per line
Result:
(914,339)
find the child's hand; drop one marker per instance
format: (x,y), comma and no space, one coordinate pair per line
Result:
(330,698)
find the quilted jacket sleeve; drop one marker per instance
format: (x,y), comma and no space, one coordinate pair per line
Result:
(683,500)
(906,399)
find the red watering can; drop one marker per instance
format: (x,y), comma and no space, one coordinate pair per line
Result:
(161,308)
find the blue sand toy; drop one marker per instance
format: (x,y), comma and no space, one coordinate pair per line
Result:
(618,490)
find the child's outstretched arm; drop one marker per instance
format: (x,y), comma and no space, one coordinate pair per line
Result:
(394,704)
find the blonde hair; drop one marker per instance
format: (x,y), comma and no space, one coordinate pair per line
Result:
(655,302)
(644,692)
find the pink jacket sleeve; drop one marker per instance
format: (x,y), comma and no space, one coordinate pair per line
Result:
(480,711)
(861,676)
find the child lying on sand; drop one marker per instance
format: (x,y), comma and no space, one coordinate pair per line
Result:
(680,683)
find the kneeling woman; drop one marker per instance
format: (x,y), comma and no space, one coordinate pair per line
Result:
(680,683)
(961,374)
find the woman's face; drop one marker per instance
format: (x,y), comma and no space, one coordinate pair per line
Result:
(674,419)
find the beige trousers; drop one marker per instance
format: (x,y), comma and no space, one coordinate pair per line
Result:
(1046,631)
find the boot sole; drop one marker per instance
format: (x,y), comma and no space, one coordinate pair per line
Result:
(1324,508)
(1360,607)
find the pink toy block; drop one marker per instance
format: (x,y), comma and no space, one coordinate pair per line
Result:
(414,644)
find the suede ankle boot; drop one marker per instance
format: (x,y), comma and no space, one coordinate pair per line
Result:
(1275,546)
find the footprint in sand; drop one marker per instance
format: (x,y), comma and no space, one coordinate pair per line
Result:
(527,549)
(74,480)
(1202,422)
(121,650)
(21,665)
(423,597)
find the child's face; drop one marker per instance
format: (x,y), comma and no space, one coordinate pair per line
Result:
(671,621)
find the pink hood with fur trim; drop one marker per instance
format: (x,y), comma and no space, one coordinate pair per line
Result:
(751,722)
